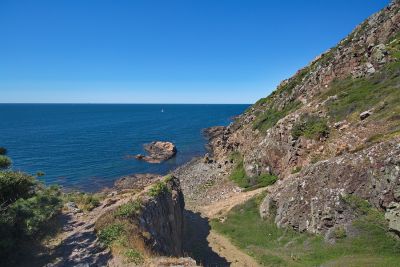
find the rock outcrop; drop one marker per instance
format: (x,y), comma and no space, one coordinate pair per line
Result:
(344,150)
(162,217)
(136,181)
(158,151)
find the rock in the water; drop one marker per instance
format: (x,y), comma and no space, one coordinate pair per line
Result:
(158,151)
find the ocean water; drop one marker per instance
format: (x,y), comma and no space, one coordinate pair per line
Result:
(87,146)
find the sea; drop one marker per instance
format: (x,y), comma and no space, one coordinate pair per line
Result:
(88,146)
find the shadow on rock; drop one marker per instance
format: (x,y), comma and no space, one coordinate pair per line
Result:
(196,244)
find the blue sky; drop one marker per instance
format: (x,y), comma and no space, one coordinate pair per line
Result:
(147,51)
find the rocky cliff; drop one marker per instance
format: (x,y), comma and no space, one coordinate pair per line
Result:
(142,227)
(329,132)
(162,217)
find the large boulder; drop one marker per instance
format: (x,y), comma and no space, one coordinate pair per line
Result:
(158,151)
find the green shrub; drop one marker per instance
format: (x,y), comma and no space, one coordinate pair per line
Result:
(129,209)
(85,201)
(24,218)
(340,232)
(272,115)
(238,175)
(5,162)
(134,256)
(157,189)
(30,214)
(15,185)
(311,127)
(110,233)
(3,151)
(360,94)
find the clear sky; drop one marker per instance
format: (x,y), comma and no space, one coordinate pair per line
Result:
(175,51)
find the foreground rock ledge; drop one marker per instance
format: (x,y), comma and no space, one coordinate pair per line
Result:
(158,151)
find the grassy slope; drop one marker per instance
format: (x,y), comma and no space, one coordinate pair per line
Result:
(273,246)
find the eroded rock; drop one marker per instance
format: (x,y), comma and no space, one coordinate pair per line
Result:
(158,152)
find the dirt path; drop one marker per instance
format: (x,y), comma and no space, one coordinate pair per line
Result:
(223,206)
(217,250)
(78,244)
(224,247)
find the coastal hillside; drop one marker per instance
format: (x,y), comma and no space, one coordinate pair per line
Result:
(330,134)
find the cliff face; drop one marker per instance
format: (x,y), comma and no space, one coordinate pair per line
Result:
(162,217)
(140,227)
(331,130)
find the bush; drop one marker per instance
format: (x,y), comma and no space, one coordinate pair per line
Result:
(157,189)
(340,232)
(30,214)
(15,185)
(23,218)
(272,115)
(84,201)
(134,256)
(5,162)
(26,206)
(311,127)
(111,233)
(129,209)
(238,175)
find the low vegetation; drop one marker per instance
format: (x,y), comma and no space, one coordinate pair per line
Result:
(110,233)
(379,92)
(117,230)
(84,201)
(26,207)
(5,162)
(311,127)
(239,176)
(158,188)
(129,209)
(272,115)
(273,246)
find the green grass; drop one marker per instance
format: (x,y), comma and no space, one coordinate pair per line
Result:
(129,209)
(379,91)
(271,116)
(133,256)
(111,233)
(84,201)
(273,246)
(311,127)
(157,189)
(239,176)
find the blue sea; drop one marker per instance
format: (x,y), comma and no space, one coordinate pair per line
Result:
(87,146)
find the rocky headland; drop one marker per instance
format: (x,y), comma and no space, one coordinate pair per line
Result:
(308,176)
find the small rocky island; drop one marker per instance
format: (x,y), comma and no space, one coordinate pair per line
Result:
(158,152)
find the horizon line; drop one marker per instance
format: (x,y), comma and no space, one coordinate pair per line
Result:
(116,103)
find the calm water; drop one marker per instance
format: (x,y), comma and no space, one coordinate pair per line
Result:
(86,146)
